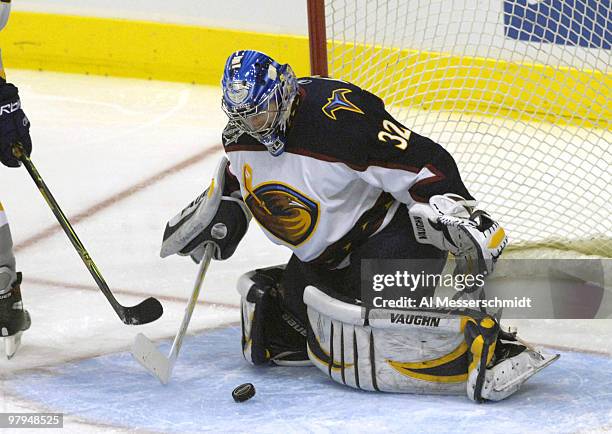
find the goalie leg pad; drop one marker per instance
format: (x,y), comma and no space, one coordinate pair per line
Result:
(426,352)
(414,351)
(269,332)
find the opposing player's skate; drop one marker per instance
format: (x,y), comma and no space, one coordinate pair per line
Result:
(14,320)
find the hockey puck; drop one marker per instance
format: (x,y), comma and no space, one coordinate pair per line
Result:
(243,392)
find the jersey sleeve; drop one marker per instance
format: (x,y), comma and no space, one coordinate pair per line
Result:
(231,181)
(409,166)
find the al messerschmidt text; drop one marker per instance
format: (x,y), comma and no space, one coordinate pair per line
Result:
(450,303)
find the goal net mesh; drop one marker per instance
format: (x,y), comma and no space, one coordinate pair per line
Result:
(518,91)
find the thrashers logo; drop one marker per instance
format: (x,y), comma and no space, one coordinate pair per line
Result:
(339,101)
(283,211)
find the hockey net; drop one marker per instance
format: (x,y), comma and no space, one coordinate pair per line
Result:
(517,90)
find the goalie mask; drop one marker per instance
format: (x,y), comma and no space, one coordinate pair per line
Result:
(257,97)
(5,10)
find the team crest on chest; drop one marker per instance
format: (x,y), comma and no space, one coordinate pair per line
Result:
(283,211)
(339,101)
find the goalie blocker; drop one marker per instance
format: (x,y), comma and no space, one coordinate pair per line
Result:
(218,216)
(409,351)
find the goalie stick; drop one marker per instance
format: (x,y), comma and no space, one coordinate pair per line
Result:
(145,351)
(147,311)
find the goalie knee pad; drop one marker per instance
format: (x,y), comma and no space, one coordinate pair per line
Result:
(481,337)
(215,217)
(269,332)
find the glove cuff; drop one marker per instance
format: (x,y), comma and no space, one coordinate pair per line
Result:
(8,92)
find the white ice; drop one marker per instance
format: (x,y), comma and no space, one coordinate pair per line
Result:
(122,156)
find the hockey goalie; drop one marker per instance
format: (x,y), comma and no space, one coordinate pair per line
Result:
(325,170)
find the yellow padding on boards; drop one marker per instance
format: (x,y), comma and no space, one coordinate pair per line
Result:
(404,77)
(136,49)
(442,81)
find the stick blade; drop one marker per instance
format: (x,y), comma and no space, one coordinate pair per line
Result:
(147,311)
(147,354)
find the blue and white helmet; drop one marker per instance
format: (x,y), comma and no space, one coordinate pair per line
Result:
(257,97)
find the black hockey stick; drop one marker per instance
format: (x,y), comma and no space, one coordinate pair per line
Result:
(147,311)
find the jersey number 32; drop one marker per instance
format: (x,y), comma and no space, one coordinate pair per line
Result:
(394,134)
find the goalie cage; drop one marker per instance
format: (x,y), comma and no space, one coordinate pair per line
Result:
(517,90)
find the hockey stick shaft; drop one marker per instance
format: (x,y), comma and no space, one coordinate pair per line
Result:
(145,351)
(178,340)
(151,309)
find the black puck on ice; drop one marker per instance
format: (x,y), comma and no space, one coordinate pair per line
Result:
(243,392)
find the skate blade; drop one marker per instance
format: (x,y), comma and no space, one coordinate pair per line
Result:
(11,345)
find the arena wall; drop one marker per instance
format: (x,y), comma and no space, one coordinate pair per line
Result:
(188,41)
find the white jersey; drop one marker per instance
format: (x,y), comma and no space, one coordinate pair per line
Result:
(344,173)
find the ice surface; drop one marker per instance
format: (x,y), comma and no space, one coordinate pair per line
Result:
(573,394)
(123,156)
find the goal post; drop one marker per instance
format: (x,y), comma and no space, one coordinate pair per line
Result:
(517,90)
(317,37)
